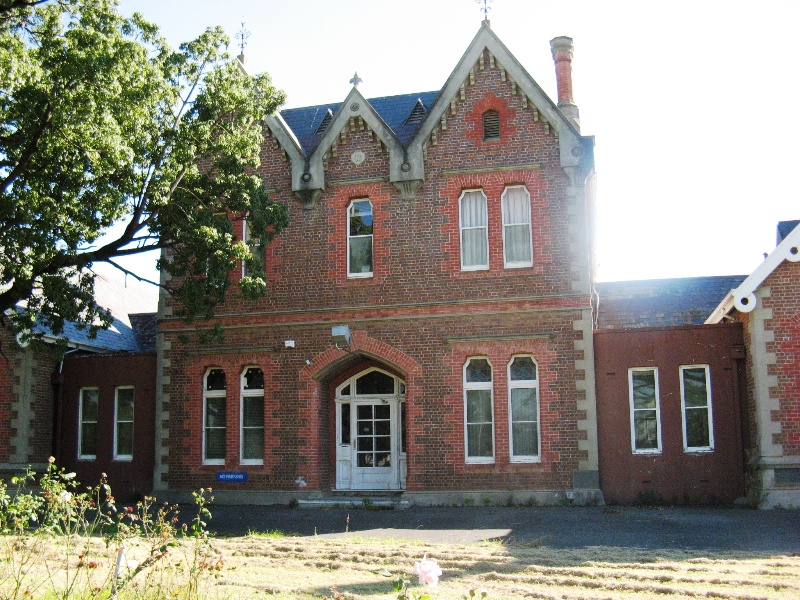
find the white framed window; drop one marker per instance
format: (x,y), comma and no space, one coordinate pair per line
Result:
(251,451)
(87,423)
(123,422)
(359,238)
(474,226)
(478,411)
(645,410)
(698,429)
(523,409)
(517,244)
(214,411)
(256,249)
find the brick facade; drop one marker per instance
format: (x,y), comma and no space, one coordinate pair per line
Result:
(419,315)
(672,473)
(27,396)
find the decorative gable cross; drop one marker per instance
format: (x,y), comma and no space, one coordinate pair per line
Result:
(485,8)
(356,79)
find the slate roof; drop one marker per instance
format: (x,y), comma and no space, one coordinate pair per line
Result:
(132,304)
(661,302)
(784,229)
(394,110)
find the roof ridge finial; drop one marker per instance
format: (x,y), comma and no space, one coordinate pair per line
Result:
(242,35)
(356,80)
(485,8)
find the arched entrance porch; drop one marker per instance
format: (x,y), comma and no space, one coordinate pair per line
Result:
(324,391)
(370,419)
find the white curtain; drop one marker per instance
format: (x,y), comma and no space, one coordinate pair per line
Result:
(517,226)
(474,230)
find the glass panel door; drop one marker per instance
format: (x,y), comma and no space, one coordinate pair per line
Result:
(374,438)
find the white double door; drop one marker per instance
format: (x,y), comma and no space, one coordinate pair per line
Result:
(369,434)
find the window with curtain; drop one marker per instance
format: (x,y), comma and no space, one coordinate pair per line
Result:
(87,425)
(123,423)
(257,263)
(474,220)
(645,418)
(359,238)
(214,417)
(478,411)
(698,432)
(517,245)
(252,417)
(523,409)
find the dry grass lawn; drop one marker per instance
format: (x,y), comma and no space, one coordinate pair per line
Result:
(302,568)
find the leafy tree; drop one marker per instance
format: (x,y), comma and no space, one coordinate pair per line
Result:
(101,121)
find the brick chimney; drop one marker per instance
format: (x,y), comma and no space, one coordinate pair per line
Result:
(562,56)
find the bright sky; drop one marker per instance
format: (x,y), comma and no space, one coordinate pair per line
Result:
(693,103)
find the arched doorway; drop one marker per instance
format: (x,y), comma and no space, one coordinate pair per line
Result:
(370,432)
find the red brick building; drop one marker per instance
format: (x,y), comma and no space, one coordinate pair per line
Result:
(670,418)
(767,303)
(93,409)
(433,330)
(448,235)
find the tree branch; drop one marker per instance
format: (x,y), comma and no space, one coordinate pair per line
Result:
(29,151)
(132,274)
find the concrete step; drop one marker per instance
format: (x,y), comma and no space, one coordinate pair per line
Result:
(364,502)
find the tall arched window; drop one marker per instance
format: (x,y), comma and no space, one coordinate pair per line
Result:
(214,417)
(474,223)
(523,409)
(359,238)
(257,263)
(478,411)
(252,417)
(517,249)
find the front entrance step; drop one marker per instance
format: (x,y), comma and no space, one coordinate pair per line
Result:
(365,502)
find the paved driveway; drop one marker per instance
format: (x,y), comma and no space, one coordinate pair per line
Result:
(568,527)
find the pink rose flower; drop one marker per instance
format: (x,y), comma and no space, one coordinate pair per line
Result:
(428,571)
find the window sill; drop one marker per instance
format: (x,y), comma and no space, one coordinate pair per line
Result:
(645,452)
(251,463)
(123,459)
(214,463)
(533,460)
(474,269)
(87,458)
(360,275)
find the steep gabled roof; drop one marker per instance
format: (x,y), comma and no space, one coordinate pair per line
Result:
(394,110)
(743,298)
(661,302)
(395,122)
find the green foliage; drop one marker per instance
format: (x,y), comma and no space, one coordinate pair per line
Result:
(46,547)
(400,585)
(100,122)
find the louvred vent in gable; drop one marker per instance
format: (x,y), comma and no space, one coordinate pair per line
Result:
(417,114)
(491,125)
(323,127)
